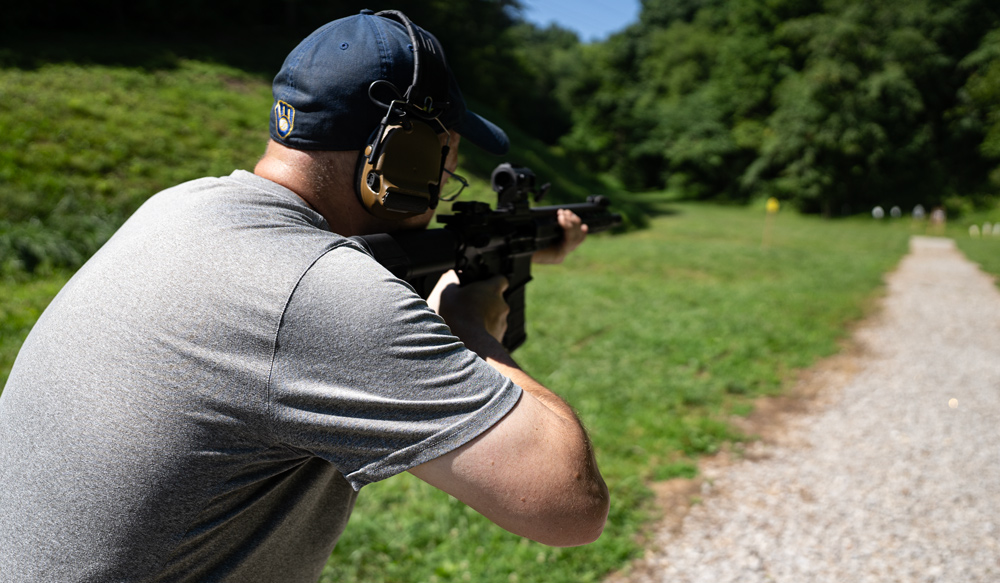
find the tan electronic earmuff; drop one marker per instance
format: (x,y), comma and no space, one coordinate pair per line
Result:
(399,174)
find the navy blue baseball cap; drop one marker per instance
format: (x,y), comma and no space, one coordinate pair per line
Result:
(321,93)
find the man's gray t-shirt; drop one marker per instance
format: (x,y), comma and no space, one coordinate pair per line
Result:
(203,399)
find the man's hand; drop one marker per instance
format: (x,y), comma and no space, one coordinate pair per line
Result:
(574,232)
(473,309)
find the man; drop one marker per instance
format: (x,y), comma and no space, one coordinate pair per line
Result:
(204,399)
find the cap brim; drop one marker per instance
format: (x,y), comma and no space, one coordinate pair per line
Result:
(483,133)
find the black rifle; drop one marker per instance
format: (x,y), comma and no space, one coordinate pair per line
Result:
(479,242)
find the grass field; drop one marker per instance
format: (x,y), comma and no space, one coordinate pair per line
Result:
(982,249)
(658,336)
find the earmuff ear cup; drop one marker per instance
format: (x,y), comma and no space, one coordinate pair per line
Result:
(399,174)
(402,179)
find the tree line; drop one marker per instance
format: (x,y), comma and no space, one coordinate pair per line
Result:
(834,105)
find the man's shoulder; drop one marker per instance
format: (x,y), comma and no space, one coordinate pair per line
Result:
(241,210)
(211,242)
(239,189)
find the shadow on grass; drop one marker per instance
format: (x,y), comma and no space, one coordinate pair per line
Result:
(258,52)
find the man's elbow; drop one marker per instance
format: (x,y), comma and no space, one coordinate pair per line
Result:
(580,524)
(592,522)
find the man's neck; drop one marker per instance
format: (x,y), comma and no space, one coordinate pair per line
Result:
(323,180)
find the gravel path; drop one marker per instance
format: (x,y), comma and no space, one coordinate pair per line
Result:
(894,473)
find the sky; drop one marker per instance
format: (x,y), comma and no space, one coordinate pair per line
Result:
(591,19)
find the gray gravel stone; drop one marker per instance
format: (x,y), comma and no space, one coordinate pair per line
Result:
(894,478)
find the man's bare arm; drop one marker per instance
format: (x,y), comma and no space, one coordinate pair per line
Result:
(534,472)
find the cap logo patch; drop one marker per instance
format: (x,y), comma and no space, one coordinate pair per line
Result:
(284,115)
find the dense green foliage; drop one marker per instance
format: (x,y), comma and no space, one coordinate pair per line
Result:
(837,105)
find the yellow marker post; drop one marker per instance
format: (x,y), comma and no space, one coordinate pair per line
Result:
(772,209)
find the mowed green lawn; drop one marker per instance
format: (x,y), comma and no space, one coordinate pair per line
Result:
(982,246)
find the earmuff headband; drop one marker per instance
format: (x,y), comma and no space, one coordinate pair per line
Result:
(399,173)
